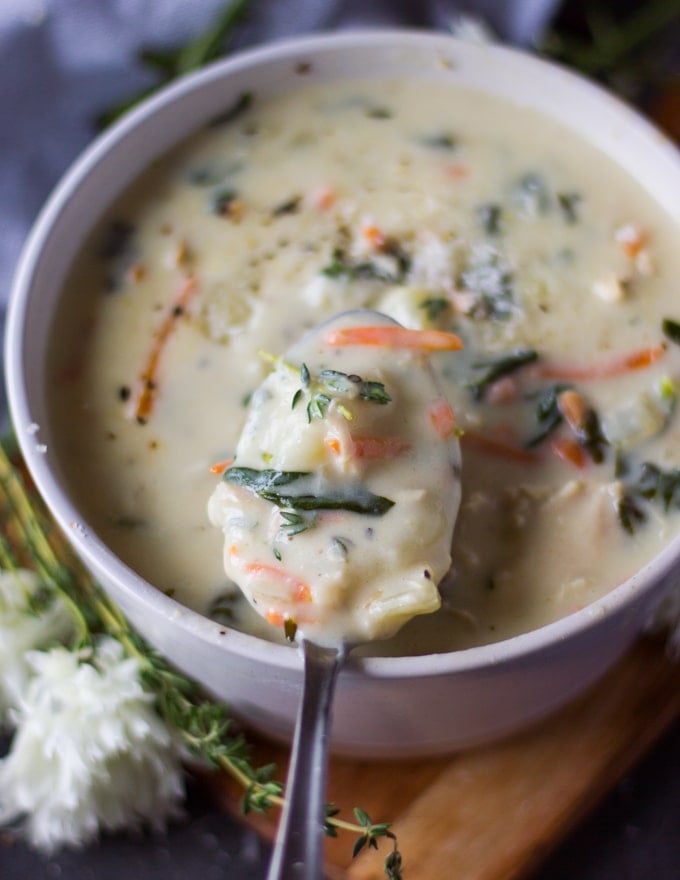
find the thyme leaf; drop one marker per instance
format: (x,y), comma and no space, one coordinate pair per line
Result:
(271,485)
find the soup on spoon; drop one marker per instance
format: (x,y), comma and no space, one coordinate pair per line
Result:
(339,505)
(338,512)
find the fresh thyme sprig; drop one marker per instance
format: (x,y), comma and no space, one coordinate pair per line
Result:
(620,48)
(29,538)
(168,64)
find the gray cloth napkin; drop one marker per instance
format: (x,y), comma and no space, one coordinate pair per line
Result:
(63,61)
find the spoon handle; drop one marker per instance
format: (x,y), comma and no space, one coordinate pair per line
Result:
(298,849)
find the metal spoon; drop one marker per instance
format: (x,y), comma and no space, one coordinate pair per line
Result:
(298,849)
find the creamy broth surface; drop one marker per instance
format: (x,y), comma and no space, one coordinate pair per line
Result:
(445,209)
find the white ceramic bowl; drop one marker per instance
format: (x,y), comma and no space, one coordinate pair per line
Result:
(385,707)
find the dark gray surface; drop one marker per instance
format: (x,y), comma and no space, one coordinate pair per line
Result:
(633,835)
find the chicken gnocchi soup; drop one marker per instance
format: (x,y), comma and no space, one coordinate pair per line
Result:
(446,210)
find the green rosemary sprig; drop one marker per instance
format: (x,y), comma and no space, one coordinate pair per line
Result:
(171,63)
(30,539)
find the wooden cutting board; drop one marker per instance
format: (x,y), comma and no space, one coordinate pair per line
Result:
(493,813)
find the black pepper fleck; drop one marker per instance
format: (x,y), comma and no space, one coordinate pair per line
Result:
(427,574)
(124,392)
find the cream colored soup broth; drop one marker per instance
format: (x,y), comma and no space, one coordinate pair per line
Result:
(445,209)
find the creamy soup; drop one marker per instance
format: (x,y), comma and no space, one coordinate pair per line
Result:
(338,508)
(444,209)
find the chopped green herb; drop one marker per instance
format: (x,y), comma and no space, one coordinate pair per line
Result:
(116,240)
(548,415)
(491,369)
(342,267)
(379,113)
(290,629)
(440,141)
(311,495)
(489,217)
(294,522)
(568,204)
(318,406)
(222,608)
(650,483)
(297,397)
(213,175)
(435,307)
(590,436)
(347,383)
(339,548)
(277,554)
(290,206)
(532,195)
(671,330)
(221,200)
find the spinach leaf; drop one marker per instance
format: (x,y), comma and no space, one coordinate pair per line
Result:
(278,487)
(494,368)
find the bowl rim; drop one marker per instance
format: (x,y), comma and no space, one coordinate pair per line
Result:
(103,560)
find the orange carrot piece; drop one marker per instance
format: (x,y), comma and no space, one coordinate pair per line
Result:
(221,466)
(618,366)
(375,448)
(570,451)
(392,336)
(573,407)
(144,400)
(299,590)
(442,418)
(325,198)
(457,170)
(274,617)
(498,448)
(374,236)
(631,239)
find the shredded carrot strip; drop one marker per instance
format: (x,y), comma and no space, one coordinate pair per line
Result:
(371,448)
(442,418)
(457,170)
(389,336)
(570,451)
(636,360)
(221,466)
(498,448)
(143,402)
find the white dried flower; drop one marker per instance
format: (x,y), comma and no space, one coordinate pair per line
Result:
(90,752)
(22,631)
